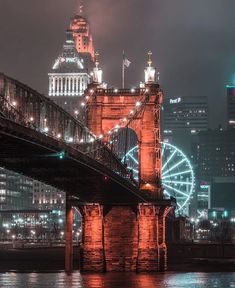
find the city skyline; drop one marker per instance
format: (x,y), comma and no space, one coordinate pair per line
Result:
(204,68)
(101,178)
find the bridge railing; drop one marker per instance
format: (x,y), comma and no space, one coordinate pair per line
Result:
(27,107)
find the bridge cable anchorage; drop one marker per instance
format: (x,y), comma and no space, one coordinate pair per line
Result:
(25,106)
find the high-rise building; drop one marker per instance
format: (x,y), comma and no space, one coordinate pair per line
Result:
(215,154)
(203,199)
(83,38)
(185,114)
(231,106)
(70,74)
(214,157)
(46,197)
(68,78)
(16,191)
(182,119)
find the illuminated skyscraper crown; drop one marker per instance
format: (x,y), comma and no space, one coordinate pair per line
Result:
(82,35)
(69,61)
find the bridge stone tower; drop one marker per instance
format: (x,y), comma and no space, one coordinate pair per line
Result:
(127,236)
(138,109)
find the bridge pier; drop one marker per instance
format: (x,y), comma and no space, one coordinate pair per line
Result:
(148,248)
(123,238)
(69,239)
(93,240)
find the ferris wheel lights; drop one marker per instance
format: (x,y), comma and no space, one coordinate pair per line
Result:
(124,119)
(132,112)
(115,90)
(14,103)
(58,135)
(76,112)
(83,104)
(101,136)
(138,103)
(87,97)
(177,173)
(31,119)
(132,90)
(91,91)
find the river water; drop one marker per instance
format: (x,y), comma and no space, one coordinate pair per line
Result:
(118,280)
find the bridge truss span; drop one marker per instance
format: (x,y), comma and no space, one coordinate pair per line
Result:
(34,111)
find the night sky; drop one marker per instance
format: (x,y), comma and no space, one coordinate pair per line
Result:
(193,42)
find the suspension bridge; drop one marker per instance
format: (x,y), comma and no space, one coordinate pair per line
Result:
(123,219)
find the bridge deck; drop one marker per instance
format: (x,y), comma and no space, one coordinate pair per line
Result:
(30,152)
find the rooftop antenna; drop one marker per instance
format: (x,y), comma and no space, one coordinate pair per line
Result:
(97,62)
(150,58)
(80,7)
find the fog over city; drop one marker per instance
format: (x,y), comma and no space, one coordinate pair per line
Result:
(192,41)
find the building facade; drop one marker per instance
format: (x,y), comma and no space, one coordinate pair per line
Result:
(215,154)
(70,74)
(83,39)
(183,119)
(185,113)
(15,191)
(46,197)
(215,164)
(230,106)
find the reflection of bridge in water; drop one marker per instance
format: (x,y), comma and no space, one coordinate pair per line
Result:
(123,221)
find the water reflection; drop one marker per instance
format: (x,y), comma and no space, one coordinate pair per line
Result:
(118,280)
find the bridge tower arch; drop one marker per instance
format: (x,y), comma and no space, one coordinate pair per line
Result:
(138,109)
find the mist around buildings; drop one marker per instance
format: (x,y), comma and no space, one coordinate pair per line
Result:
(198,160)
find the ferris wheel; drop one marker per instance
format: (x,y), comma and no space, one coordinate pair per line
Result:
(177,173)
